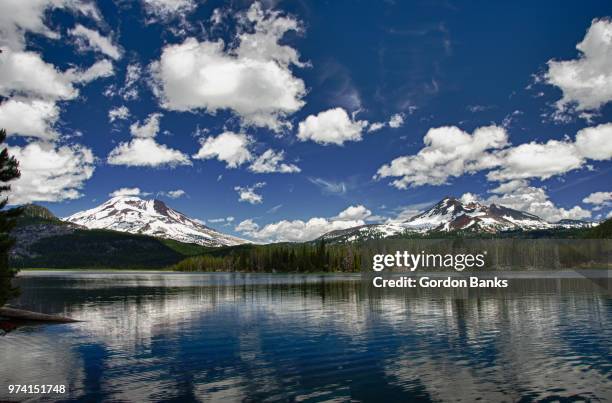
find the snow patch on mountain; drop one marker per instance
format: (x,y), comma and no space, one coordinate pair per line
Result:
(150,217)
(451,214)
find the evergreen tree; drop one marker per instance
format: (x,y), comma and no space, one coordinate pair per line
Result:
(9,170)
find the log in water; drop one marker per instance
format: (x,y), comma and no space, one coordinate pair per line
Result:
(12,313)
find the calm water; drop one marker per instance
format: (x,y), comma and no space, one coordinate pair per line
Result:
(233,337)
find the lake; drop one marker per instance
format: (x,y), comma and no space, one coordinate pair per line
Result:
(154,336)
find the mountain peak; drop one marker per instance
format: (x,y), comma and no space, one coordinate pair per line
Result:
(150,217)
(452,214)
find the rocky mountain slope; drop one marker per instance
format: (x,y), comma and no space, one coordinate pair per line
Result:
(150,217)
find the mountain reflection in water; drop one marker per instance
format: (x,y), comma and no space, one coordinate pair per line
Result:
(230,337)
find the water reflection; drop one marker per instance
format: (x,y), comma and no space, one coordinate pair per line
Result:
(230,337)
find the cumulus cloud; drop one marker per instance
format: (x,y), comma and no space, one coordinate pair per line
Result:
(143,150)
(50,173)
(118,113)
(272,161)
(253,78)
(354,213)
(536,160)
(100,69)
(535,200)
(19,17)
(333,126)
(448,152)
(248,193)
(595,142)
(586,82)
(301,231)
(129,91)
(33,87)
(128,192)
(229,147)
(247,226)
(26,74)
(29,117)
(88,39)
(376,126)
(544,160)
(148,129)
(174,194)
(146,152)
(396,120)
(599,200)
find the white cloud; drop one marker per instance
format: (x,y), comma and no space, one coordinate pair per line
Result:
(166,9)
(599,199)
(50,173)
(272,161)
(18,17)
(595,142)
(248,193)
(127,192)
(226,220)
(354,213)
(253,79)
(100,69)
(376,126)
(544,160)
(118,113)
(510,186)
(586,82)
(89,39)
(247,226)
(229,147)
(129,91)
(29,117)
(536,160)
(535,200)
(301,231)
(174,194)
(333,126)
(145,152)
(328,186)
(468,198)
(26,74)
(396,120)
(148,129)
(448,152)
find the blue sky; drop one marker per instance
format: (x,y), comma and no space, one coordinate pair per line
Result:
(294,118)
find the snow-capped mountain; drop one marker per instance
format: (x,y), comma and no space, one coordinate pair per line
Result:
(150,217)
(452,214)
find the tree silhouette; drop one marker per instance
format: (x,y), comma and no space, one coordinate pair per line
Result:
(9,170)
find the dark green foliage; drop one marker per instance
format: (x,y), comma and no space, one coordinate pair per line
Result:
(9,170)
(602,231)
(281,257)
(33,214)
(86,249)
